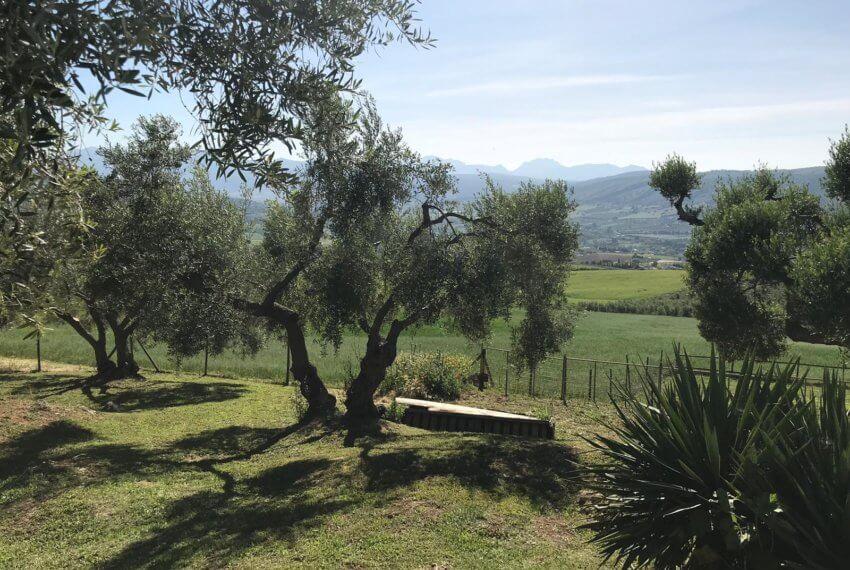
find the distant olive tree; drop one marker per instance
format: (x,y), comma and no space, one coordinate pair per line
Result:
(768,260)
(200,316)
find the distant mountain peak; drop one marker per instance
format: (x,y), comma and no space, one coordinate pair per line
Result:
(550,168)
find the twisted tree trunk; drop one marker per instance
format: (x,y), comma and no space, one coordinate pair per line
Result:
(380,354)
(127,367)
(103,363)
(320,402)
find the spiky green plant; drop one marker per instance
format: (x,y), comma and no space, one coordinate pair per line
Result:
(809,473)
(671,474)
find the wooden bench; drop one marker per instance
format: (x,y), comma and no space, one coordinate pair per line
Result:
(438,416)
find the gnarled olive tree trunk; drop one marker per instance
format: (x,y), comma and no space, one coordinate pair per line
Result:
(320,402)
(104,365)
(380,354)
(126,362)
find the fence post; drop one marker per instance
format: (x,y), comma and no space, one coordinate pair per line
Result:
(38,351)
(564,379)
(628,376)
(611,384)
(482,369)
(660,368)
(206,359)
(589,382)
(507,371)
(286,380)
(595,378)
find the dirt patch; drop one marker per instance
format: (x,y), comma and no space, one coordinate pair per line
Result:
(19,415)
(8,365)
(418,509)
(555,529)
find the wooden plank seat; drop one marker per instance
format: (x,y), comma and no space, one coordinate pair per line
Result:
(438,416)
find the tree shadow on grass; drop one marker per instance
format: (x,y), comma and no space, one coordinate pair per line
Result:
(43,386)
(544,472)
(134,395)
(285,501)
(277,505)
(130,395)
(45,461)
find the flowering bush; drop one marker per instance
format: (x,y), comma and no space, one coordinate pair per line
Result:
(428,375)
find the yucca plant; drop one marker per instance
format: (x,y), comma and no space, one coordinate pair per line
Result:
(809,474)
(671,475)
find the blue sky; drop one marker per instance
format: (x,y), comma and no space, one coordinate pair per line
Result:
(728,84)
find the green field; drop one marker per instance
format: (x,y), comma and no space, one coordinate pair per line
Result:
(166,477)
(601,336)
(623,284)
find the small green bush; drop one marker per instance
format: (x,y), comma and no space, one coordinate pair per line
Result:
(427,375)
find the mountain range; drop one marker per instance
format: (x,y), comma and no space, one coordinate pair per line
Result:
(544,168)
(599,184)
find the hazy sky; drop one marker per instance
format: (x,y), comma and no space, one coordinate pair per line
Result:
(727,84)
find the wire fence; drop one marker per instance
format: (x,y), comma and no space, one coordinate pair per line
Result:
(566,377)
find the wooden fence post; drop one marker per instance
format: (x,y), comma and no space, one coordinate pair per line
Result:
(595,378)
(628,376)
(589,382)
(38,350)
(660,368)
(482,369)
(206,359)
(507,371)
(286,381)
(564,379)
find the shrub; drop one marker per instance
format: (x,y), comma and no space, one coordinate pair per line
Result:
(428,375)
(677,304)
(809,471)
(685,468)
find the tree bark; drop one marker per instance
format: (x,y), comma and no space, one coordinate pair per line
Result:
(320,402)
(126,361)
(103,363)
(360,396)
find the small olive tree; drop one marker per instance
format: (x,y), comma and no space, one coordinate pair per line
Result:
(200,316)
(768,260)
(157,246)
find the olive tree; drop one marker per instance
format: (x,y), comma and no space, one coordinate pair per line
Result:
(200,316)
(768,260)
(249,69)
(249,72)
(158,245)
(399,253)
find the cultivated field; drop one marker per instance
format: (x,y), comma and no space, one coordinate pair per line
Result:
(622,284)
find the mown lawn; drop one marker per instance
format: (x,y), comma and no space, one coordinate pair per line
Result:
(622,284)
(159,474)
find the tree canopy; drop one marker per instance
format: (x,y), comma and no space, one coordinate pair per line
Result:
(768,260)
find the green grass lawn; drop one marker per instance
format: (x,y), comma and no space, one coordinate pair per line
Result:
(622,284)
(162,477)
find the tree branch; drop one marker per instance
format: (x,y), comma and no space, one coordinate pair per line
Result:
(428,222)
(685,213)
(277,290)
